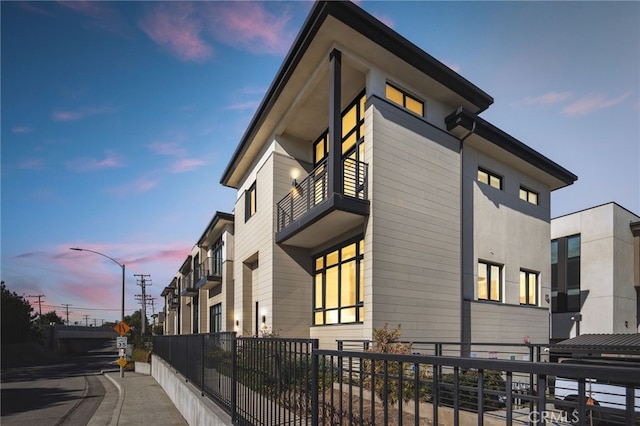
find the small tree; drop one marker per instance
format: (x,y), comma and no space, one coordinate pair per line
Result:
(17,314)
(49,318)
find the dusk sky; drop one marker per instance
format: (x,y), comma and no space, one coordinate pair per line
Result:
(118,119)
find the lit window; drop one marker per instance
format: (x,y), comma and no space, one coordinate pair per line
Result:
(528,288)
(528,195)
(489,282)
(250,202)
(339,285)
(405,100)
(489,178)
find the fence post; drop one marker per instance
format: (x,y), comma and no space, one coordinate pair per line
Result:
(202,367)
(234,378)
(314,382)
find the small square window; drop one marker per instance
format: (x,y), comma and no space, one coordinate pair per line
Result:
(405,100)
(490,178)
(528,195)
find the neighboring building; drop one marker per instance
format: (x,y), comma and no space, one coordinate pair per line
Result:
(199,298)
(595,257)
(370,192)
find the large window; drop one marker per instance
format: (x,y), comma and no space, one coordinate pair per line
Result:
(215,318)
(339,285)
(489,178)
(352,133)
(405,100)
(528,287)
(250,206)
(565,274)
(489,281)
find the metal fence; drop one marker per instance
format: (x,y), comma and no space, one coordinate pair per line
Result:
(273,381)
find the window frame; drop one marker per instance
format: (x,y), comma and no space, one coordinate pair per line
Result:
(250,202)
(529,273)
(528,195)
(490,175)
(488,280)
(566,277)
(358,283)
(405,94)
(216,317)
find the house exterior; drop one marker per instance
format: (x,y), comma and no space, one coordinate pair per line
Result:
(595,272)
(199,298)
(369,191)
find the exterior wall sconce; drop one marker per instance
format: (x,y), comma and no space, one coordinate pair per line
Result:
(264,320)
(294,183)
(237,323)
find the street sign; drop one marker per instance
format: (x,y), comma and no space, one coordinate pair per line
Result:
(121,353)
(121,342)
(122,328)
(122,362)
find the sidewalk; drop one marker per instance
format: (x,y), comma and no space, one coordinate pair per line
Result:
(136,399)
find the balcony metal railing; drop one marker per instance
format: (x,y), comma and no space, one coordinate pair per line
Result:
(210,267)
(313,190)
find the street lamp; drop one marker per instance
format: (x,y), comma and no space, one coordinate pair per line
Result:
(120,265)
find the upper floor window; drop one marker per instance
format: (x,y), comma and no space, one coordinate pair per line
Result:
(489,281)
(339,285)
(352,132)
(405,100)
(528,287)
(250,200)
(565,274)
(489,178)
(528,195)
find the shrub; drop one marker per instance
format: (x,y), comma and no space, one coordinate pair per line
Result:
(388,341)
(494,386)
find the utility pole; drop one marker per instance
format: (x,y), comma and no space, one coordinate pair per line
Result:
(39,296)
(66,305)
(142,282)
(86,320)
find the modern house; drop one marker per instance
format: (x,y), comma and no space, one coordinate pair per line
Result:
(595,285)
(369,191)
(194,300)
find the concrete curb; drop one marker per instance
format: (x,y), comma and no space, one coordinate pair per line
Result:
(121,394)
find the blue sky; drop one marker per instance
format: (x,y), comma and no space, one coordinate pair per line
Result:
(118,119)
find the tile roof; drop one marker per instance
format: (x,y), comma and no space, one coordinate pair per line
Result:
(608,343)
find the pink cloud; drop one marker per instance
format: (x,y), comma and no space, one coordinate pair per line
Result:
(166,148)
(31,164)
(22,129)
(548,98)
(249,26)
(176,27)
(75,115)
(140,185)
(186,165)
(592,102)
(110,161)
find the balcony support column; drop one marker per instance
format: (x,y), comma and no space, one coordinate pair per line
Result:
(334,161)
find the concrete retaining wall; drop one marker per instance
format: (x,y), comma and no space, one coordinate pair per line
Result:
(195,408)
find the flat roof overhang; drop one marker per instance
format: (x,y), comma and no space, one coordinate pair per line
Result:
(345,26)
(331,218)
(489,139)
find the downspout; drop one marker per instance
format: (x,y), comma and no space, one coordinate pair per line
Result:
(465,307)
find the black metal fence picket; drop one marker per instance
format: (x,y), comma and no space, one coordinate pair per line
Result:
(275,381)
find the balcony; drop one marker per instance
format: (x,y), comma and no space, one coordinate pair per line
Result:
(309,215)
(209,273)
(188,290)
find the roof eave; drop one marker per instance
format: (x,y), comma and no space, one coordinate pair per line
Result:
(361,21)
(463,118)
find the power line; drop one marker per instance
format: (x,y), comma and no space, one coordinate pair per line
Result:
(39,296)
